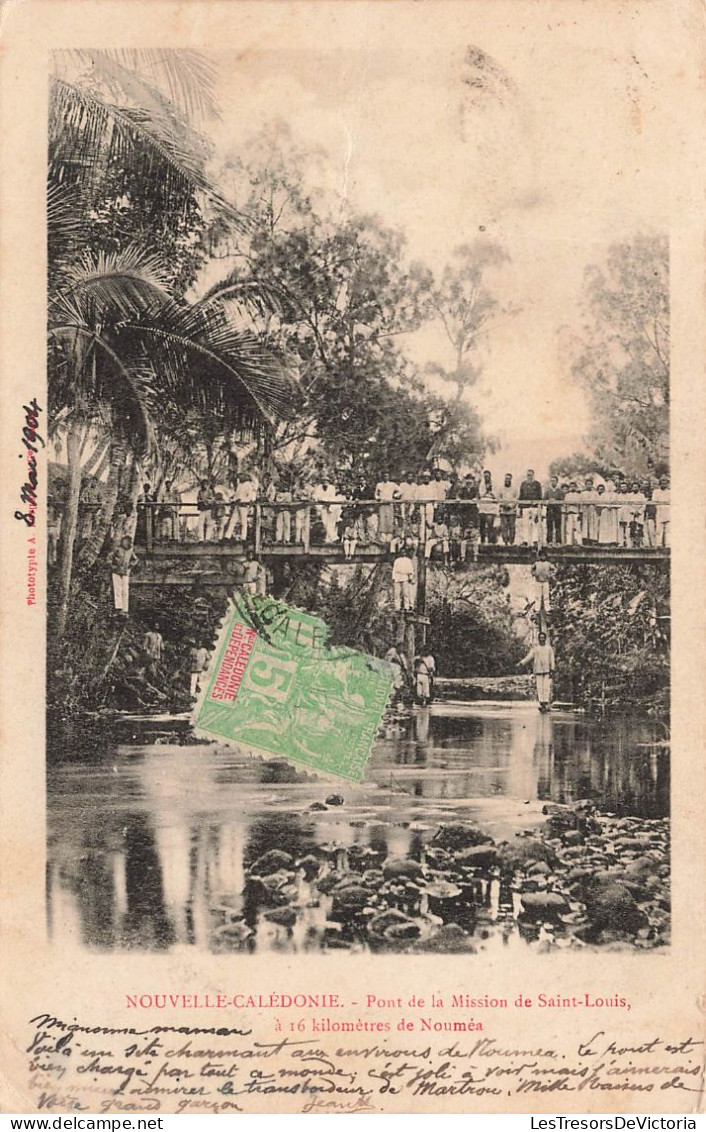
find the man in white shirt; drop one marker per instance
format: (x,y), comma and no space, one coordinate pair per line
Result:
(424,673)
(302,515)
(245,495)
(439,486)
(403,580)
(329,515)
(199,664)
(409,493)
(541,656)
(426,496)
(507,503)
(385,492)
(439,536)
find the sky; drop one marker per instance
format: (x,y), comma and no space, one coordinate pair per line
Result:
(540,128)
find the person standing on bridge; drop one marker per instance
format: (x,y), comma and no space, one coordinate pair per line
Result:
(530,493)
(650,513)
(469,512)
(325,494)
(170,499)
(302,515)
(386,491)
(660,496)
(488,510)
(408,509)
(608,514)
(204,505)
(145,514)
(554,497)
(507,499)
(541,656)
(245,496)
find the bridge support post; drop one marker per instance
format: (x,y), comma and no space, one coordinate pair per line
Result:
(410,642)
(258,528)
(421,603)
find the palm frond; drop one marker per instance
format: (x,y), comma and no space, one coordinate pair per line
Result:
(221,367)
(185,77)
(126,389)
(120,284)
(88,134)
(254,295)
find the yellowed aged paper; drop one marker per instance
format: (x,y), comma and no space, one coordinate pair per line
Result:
(212,928)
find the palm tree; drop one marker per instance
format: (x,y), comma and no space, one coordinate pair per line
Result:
(120,346)
(119,342)
(135,111)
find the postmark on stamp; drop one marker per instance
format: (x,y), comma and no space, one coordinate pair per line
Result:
(275,685)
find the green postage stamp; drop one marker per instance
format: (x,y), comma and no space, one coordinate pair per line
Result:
(275,685)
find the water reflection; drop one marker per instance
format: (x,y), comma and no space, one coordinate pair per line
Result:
(149,846)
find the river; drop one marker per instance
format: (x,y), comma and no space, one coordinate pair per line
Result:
(149,840)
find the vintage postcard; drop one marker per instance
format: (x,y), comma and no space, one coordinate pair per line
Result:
(353,552)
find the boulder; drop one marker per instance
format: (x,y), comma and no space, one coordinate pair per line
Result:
(539,868)
(523,851)
(477,856)
(271,862)
(351,896)
(614,907)
(394,868)
(284,917)
(448,940)
(543,905)
(641,868)
(458,836)
(310,866)
(381,922)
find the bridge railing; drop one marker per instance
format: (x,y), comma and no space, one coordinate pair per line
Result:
(628,521)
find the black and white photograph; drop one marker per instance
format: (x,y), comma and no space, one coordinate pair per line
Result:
(381,333)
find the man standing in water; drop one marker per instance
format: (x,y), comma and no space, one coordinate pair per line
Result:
(424,673)
(542,657)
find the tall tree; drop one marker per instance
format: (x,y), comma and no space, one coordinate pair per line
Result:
(622,355)
(346,302)
(464,304)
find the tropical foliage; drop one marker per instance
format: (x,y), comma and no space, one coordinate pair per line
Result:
(610,630)
(473,628)
(126,173)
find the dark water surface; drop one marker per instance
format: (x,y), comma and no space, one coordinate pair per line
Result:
(149,843)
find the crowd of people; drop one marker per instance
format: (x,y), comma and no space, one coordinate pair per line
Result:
(440,514)
(450,515)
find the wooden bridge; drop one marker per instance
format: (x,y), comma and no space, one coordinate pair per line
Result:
(172,552)
(218,562)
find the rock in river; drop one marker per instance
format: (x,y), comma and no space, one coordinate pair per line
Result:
(271,862)
(543,905)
